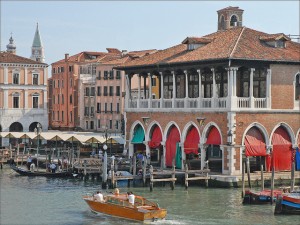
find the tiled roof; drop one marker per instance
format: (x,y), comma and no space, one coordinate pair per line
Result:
(197,40)
(234,43)
(272,37)
(6,57)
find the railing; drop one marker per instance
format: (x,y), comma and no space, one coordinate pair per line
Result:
(243,102)
(260,103)
(203,103)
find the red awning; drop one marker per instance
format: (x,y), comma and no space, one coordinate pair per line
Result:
(255,144)
(214,137)
(172,139)
(192,141)
(282,150)
(156,138)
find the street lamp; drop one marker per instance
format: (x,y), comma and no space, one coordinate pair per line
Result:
(104,147)
(38,131)
(106,136)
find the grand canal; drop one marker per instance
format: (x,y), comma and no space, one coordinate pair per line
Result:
(45,201)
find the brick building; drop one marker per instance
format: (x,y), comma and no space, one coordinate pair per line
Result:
(223,96)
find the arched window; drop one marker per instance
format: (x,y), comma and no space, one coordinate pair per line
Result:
(297,87)
(233,21)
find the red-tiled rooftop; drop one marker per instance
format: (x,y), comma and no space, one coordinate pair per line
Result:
(234,43)
(6,57)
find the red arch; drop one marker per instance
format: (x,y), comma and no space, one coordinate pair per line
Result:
(255,143)
(172,139)
(282,150)
(214,137)
(192,141)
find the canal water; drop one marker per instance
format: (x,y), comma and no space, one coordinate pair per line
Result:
(48,201)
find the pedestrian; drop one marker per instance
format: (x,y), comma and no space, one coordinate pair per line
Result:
(53,167)
(29,161)
(131,197)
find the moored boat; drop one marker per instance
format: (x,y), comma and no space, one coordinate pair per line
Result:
(118,205)
(288,204)
(260,197)
(25,172)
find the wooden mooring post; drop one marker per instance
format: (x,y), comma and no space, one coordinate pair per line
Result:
(198,175)
(171,179)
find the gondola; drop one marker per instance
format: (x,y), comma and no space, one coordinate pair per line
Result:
(288,204)
(29,173)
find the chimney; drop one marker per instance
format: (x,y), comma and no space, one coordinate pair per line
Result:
(66,57)
(124,52)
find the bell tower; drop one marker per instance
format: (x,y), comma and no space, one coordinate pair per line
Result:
(230,17)
(37,49)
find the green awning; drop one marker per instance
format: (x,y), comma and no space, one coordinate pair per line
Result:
(138,136)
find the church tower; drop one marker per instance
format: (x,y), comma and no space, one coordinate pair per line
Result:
(230,17)
(37,49)
(11,47)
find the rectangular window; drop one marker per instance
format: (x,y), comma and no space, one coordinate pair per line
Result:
(71,99)
(111,107)
(105,91)
(35,102)
(53,83)
(92,111)
(105,75)
(57,115)
(98,107)
(99,124)
(111,90)
(105,109)
(111,75)
(16,78)
(86,125)
(93,70)
(70,68)
(58,83)
(71,116)
(117,125)
(92,125)
(62,99)
(62,115)
(87,91)
(92,91)
(99,75)
(53,99)
(58,69)
(118,75)
(53,70)
(62,83)
(53,115)
(16,102)
(118,107)
(110,124)
(153,80)
(118,91)
(98,91)
(86,111)
(35,79)
(58,99)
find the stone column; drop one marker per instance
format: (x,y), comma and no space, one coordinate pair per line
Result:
(5,75)
(186,90)
(203,155)
(199,89)
(268,88)
(45,76)
(214,96)
(150,90)
(45,99)
(26,76)
(251,88)
(161,90)
(126,91)
(174,90)
(26,99)
(5,100)
(139,91)
(163,160)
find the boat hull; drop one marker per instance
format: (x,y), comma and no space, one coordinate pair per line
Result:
(126,211)
(263,197)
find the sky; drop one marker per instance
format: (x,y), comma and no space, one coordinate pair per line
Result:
(75,26)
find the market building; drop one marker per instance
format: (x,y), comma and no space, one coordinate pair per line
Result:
(227,95)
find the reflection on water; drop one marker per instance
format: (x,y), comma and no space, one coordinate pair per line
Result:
(39,201)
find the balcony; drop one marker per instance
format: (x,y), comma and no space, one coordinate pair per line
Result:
(206,104)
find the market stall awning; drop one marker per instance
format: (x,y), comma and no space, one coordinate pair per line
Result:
(156,138)
(192,141)
(255,143)
(214,137)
